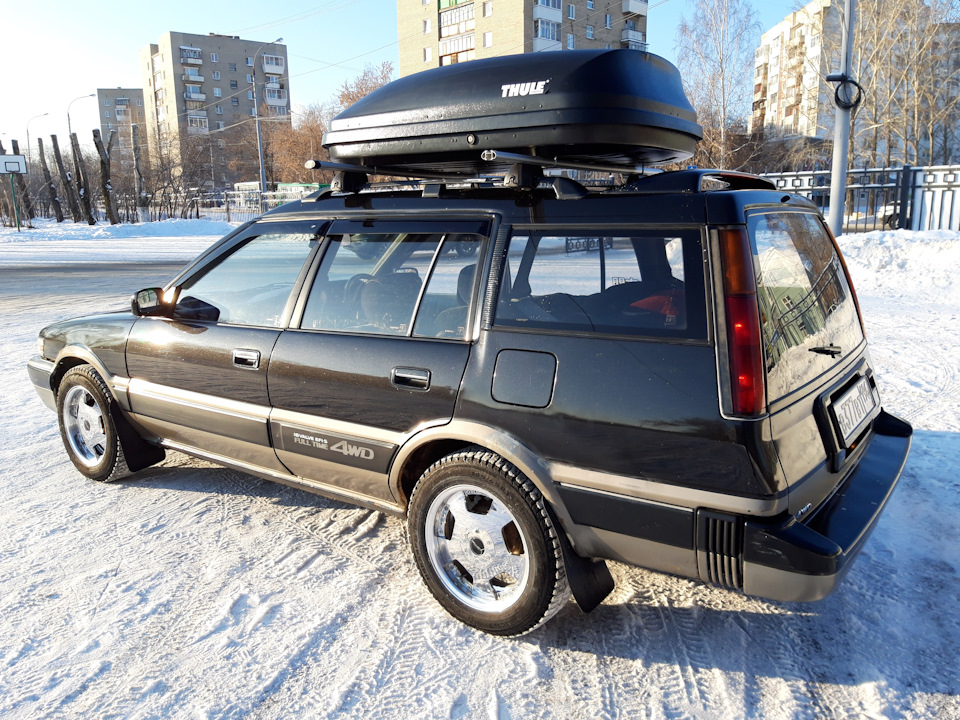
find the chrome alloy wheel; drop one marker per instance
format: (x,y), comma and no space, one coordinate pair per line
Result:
(84,426)
(477,548)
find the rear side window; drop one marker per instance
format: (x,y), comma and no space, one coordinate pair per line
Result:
(633,284)
(804,298)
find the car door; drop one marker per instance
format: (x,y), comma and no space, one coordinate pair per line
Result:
(198,379)
(376,349)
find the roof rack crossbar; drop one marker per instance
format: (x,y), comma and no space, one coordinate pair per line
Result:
(376,170)
(543,162)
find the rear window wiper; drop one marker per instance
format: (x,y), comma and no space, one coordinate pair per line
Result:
(831,350)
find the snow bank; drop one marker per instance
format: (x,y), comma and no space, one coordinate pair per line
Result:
(50,242)
(903,263)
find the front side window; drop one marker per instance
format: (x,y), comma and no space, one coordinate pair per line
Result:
(394,283)
(252,284)
(634,284)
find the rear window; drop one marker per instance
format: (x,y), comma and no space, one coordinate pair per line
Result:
(804,297)
(609,283)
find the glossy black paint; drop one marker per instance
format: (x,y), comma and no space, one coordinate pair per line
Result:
(827,541)
(630,407)
(198,356)
(348,377)
(104,335)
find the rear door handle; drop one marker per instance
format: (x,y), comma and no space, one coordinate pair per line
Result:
(410,378)
(247,359)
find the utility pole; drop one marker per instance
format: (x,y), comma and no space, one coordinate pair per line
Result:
(847,97)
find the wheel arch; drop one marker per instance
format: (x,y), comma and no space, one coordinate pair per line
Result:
(73,355)
(428,446)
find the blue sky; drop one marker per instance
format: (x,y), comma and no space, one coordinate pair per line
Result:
(51,55)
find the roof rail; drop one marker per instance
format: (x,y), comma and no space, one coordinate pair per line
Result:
(692,180)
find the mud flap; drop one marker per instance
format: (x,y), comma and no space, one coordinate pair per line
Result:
(590,580)
(137,452)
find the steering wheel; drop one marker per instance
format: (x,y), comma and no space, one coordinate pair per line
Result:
(351,291)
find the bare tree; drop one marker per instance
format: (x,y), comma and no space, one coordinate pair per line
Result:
(66,180)
(715,56)
(50,185)
(105,186)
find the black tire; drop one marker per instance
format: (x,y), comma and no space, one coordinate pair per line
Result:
(473,514)
(85,415)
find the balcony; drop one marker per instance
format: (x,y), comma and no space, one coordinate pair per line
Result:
(273,85)
(192,78)
(546,45)
(635,7)
(634,39)
(275,97)
(273,64)
(542,12)
(185,60)
(195,96)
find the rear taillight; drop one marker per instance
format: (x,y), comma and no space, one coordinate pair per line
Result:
(745,355)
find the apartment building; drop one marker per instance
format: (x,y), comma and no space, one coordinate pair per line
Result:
(202,94)
(790,95)
(120,109)
(442,32)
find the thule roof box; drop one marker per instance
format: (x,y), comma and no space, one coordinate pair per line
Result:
(620,107)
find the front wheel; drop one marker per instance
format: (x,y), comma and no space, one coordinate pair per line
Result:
(86,425)
(485,544)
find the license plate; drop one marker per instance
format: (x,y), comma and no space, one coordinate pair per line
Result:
(853,408)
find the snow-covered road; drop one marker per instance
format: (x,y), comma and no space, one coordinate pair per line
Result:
(192,591)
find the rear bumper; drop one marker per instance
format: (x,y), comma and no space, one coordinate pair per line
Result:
(803,561)
(40,371)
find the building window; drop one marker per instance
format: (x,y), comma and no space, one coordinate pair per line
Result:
(220,126)
(546,29)
(249,94)
(457,45)
(427,54)
(232,67)
(214,57)
(273,60)
(488,8)
(216,74)
(456,21)
(555,4)
(106,113)
(253,112)
(590,32)
(217,92)
(233,84)
(488,39)
(234,101)
(249,62)
(219,109)
(606,22)
(120,112)
(197,122)
(571,12)
(140,102)
(106,102)
(570,41)
(250,78)
(589,4)
(426,26)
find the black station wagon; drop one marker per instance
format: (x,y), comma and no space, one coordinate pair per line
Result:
(537,372)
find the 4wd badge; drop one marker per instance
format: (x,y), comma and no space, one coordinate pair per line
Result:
(537,87)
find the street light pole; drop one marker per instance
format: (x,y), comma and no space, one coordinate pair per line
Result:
(256,109)
(70,129)
(29,151)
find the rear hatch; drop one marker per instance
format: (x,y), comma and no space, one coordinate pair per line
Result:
(820,389)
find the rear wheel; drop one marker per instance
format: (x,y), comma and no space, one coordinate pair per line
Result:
(485,544)
(84,406)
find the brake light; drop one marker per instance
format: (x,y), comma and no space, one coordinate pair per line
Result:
(745,356)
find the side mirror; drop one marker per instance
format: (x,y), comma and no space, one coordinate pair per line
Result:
(149,302)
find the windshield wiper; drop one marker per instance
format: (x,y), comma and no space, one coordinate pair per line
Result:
(831,350)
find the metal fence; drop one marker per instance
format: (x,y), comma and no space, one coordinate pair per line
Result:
(914,198)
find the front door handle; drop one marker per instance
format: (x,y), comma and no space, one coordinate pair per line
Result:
(247,359)
(410,378)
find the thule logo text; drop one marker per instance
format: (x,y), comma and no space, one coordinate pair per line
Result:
(538,87)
